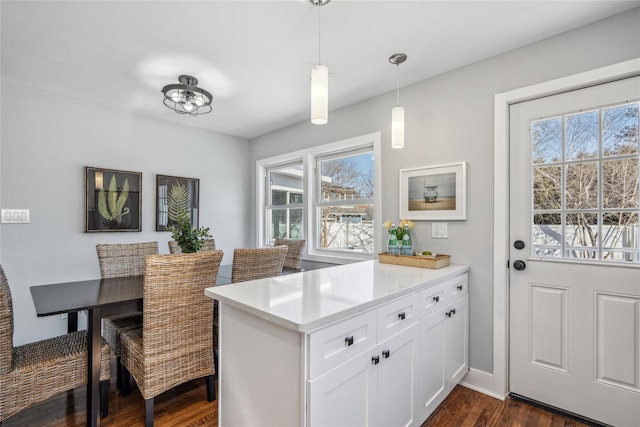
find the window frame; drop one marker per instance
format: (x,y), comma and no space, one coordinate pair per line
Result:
(309,157)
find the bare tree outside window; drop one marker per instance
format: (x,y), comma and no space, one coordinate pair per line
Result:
(346,205)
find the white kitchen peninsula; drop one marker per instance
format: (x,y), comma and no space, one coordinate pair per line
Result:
(361,344)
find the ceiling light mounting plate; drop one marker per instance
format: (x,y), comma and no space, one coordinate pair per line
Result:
(319,2)
(397,58)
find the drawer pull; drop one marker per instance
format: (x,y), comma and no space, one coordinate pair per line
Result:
(386,354)
(375,360)
(402,316)
(450,312)
(459,287)
(348,341)
(436,298)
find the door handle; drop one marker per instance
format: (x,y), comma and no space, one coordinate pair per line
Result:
(519,265)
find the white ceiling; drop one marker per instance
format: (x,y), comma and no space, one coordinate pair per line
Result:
(255,56)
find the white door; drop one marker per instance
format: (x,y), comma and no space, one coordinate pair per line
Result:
(574,257)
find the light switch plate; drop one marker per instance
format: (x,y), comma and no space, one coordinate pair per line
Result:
(439,230)
(16,216)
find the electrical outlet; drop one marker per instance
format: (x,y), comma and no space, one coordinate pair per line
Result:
(439,230)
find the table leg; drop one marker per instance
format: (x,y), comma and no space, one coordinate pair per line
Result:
(94,343)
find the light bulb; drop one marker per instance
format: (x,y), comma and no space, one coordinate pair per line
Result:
(198,100)
(175,96)
(319,95)
(188,106)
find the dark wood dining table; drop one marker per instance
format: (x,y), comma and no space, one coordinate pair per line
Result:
(107,297)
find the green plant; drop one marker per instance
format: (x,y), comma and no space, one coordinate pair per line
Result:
(188,238)
(111,204)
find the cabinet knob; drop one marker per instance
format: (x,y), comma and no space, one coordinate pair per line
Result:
(436,298)
(459,287)
(348,341)
(386,354)
(453,311)
(375,360)
(402,316)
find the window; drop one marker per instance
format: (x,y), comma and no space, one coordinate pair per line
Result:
(345,210)
(284,208)
(326,195)
(585,185)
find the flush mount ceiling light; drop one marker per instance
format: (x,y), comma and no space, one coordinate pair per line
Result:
(319,82)
(187,97)
(397,113)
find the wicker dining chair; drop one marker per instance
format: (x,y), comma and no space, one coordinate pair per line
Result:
(34,372)
(175,344)
(296,246)
(208,245)
(122,260)
(257,263)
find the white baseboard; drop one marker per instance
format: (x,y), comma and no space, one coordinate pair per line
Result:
(482,382)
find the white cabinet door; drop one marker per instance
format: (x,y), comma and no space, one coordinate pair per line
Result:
(346,395)
(398,380)
(431,364)
(456,342)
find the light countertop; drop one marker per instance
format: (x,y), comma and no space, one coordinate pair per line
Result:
(311,299)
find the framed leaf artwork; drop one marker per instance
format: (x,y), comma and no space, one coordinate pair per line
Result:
(176,196)
(113,200)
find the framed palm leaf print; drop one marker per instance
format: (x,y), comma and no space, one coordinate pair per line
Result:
(176,196)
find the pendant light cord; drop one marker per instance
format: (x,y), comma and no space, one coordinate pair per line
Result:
(397,85)
(319,29)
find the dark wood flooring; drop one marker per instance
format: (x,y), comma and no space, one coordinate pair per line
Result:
(187,406)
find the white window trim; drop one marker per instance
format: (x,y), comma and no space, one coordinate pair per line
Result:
(308,157)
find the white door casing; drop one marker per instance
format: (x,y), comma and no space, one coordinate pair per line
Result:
(496,383)
(575,325)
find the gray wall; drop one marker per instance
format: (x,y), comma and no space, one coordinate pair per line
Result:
(48,138)
(449,118)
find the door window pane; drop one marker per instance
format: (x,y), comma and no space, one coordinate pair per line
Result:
(581,234)
(620,130)
(546,141)
(547,189)
(581,186)
(581,136)
(620,236)
(547,235)
(620,183)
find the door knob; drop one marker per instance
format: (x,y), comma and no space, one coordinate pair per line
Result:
(518,244)
(519,265)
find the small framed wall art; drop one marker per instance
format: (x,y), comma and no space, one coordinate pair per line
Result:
(434,192)
(176,196)
(113,200)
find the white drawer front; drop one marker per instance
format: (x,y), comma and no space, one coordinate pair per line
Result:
(338,343)
(397,316)
(456,287)
(431,300)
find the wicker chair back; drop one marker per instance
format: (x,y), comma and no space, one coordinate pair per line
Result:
(257,263)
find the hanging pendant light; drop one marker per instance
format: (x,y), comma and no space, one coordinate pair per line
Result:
(397,113)
(319,82)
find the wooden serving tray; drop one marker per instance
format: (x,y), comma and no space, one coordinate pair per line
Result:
(424,261)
